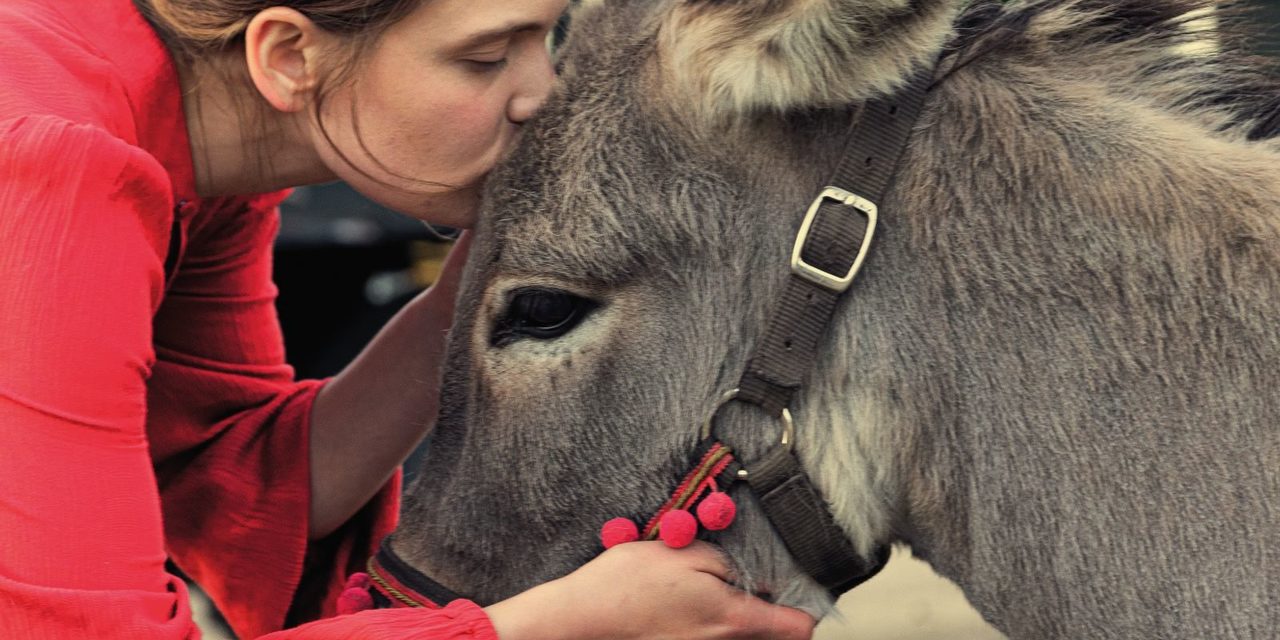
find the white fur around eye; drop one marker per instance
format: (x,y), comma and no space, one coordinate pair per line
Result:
(531,351)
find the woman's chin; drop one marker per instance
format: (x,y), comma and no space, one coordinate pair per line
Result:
(455,208)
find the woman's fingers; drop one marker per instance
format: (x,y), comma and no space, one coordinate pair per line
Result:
(451,270)
(745,615)
(644,590)
(752,617)
(707,558)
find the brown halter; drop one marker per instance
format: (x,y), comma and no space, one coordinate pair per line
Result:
(829,250)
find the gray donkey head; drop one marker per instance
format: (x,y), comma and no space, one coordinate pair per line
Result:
(1056,374)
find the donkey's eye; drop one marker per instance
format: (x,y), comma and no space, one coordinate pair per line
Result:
(543,314)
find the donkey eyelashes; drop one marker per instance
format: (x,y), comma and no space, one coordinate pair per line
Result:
(541,314)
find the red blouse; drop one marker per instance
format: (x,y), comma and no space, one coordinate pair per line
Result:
(146,410)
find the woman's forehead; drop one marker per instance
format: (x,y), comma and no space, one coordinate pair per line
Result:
(463,23)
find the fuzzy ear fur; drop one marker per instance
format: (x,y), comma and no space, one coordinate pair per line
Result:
(738,56)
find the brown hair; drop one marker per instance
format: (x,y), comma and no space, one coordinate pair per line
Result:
(196,30)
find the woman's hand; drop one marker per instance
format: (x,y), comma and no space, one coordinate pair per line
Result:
(445,289)
(644,590)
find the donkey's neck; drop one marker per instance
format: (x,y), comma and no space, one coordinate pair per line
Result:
(1003,336)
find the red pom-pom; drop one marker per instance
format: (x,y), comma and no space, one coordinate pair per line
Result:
(677,528)
(717,511)
(618,531)
(358,580)
(354,600)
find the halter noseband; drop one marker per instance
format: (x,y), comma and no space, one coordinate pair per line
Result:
(393,583)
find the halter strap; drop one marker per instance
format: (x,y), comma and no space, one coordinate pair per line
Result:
(829,250)
(831,246)
(393,583)
(715,467)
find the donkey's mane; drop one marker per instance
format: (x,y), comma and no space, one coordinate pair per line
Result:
(1161,46)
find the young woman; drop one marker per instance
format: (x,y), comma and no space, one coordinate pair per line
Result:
(145,407)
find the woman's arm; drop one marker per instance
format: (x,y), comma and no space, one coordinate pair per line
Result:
(635,591)
(643,590)
(368,419)
(461,620)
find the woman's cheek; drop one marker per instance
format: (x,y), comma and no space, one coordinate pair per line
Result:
(480,133)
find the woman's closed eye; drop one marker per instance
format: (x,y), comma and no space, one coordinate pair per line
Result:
(481,65)
(490,57)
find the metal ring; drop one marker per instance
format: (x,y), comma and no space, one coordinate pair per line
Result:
(788,425)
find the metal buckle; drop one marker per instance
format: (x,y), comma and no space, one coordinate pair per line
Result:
(788,425)
(834,282)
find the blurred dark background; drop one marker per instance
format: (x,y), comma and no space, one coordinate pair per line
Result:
(344,266)
(1268,15)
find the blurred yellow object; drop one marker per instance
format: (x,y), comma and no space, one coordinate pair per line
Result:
(428,258)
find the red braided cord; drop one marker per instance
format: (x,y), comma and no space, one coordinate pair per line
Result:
(693,486)
(395,591)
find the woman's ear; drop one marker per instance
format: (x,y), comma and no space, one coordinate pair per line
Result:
(283,49)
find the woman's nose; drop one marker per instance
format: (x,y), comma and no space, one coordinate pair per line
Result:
(537,85)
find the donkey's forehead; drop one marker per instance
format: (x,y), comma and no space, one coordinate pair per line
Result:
(600,192)
(602,183)
(613,179)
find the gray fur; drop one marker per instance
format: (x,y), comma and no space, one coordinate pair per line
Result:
(1056,378)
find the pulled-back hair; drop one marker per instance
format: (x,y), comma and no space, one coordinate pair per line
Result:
(193,28)
(198,30)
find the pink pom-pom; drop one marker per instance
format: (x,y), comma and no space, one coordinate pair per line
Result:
(677,528)
(618,531)
(354,600)
(358,580)
(717,511)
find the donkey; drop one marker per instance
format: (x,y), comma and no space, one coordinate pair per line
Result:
(1056,378)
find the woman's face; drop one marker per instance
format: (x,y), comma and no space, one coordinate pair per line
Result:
(437,101)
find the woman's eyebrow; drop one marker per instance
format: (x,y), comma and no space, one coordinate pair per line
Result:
(498,33)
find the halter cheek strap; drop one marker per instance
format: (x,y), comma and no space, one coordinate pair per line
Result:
(793,505)
(801,518)
(829,250)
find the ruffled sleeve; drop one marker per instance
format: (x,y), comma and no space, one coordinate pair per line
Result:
(460,620)
(139,415)
(229,429)
(84,221)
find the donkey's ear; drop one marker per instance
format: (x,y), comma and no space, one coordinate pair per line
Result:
(741,56)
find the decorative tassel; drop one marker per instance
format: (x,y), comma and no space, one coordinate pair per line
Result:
(677,528)
(717,511)
(355,595)
(618,531)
